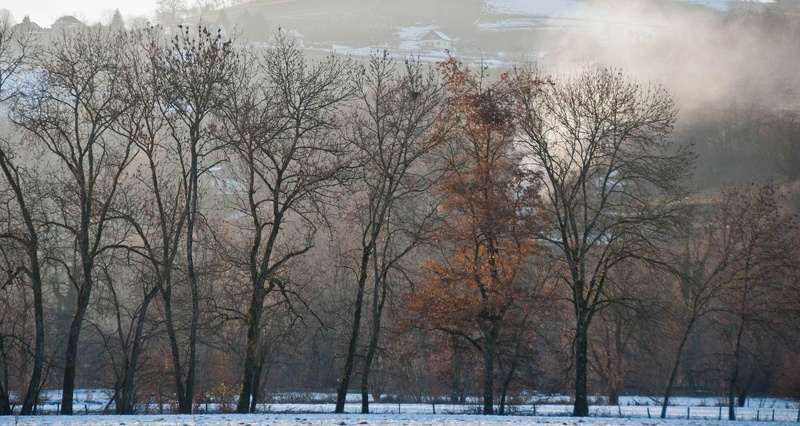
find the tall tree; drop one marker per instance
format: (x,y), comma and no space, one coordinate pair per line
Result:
(760,235)
(489,210)
(198,67)
(701,269)
(15,49)
(72,105)
(395,125)
(117,23)
(278,120)
(157,185)
(611,182)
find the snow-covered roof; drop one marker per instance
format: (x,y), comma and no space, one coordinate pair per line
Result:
(66,20)
(291,33)
(30,26)
(434,34)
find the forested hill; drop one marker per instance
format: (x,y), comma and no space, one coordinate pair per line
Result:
(729,63)
(377,21)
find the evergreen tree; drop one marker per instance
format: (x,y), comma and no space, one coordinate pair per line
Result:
(117,24)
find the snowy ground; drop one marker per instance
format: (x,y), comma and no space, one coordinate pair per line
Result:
(541,409)
(568,8)
(353,419)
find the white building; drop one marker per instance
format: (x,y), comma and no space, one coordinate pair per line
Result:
(436,40)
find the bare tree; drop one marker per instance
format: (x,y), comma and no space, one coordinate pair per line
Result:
(170,12)
(759,233)
(197,68)
(15,49)
(611,182)
(13,306)
(279,121)
(158,186)
(67,113)
(701,269)
(395,125)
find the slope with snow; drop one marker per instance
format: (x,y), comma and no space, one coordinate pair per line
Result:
(569,8)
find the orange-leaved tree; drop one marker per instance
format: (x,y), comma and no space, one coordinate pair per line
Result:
(474,288)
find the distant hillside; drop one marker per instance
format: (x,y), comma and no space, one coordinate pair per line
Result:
(360,22)
(480,27)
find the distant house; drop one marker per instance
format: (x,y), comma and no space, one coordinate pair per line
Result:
(67,22)
(28,27)
(292,36)
(436,40)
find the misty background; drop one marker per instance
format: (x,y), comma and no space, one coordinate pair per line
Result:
(730,66)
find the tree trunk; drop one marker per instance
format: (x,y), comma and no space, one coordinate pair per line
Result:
(735,374)
(13,179)
(185,402)
(613,395)
(581,407)
(344,382)
(125,398)
(674,374)
(186,398)
(488,379)
(457,386)
(511,370)
(32,395)
(365,376)
(489,335)
(177,373)
(378,302)
(251,367)
(256,388)
(373,344)
(741,399)
(5,403)
(503,393)
(71,353)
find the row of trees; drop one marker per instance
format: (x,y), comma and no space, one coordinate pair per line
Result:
(226,217)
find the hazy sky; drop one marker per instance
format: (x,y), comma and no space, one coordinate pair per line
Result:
(44,12)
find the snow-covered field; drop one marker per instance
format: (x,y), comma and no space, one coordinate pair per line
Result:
(774,411)
(354,419)
(540,410)
(568,8)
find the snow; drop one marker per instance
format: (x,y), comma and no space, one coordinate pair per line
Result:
(410,36)
(442,36)
(544,8)
(431,56)
(91,400)
(353,419)
(417,413)
(548,410)
(722,4)
(576,8)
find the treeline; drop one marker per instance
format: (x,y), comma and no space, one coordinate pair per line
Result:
(185,220)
